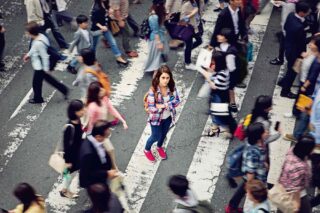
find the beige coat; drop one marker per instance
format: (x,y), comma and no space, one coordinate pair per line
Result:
(173,6)
(34,11)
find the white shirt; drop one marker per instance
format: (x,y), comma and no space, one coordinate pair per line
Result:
(230,58)
(166,113)
(85,34)
(235,18)
(299,17)
(99,147)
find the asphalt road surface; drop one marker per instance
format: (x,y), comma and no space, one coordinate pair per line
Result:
(29,133)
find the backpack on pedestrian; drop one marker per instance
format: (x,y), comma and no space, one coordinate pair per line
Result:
(202,207)
(234,161)
(102,78)
(54,56)
(145,29)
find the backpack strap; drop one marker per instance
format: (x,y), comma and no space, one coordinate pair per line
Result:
(264,210)
(72,132)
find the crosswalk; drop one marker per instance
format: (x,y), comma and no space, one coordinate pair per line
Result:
(202,159)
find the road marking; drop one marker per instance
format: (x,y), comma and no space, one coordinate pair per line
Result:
(208,159)
(22,103)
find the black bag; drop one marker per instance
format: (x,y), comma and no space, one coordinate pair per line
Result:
(182,32)
(145,29)
(249,9)
(54,56)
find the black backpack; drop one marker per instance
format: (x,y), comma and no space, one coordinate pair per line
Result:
(145,29)
(54,56)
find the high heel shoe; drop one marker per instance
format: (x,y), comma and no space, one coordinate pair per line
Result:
(214,132)
(122,64)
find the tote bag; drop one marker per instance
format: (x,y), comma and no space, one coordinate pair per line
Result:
(204,58)
(182,32)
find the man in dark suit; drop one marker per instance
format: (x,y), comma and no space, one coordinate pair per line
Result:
(232,18)
(295,43)
(95,163)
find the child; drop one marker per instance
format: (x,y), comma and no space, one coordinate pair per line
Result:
(2,44)
(258,195)
(83,38)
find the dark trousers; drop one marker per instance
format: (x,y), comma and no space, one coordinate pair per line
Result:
(190,45)
(61,16)
(288,79)
(2,45)
(238,196)
(38,78)
(133,24)
(281,47)
(125,35)
(50,23)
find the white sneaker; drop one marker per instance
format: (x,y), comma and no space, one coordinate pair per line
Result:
(288,115)
(191,66)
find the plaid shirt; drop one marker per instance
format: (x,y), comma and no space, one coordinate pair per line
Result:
(295,174)
(254,161)
(155,114)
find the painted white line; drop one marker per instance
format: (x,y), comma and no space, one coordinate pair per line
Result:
(22,103)
(211,151)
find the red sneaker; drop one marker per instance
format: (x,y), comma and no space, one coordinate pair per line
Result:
(162,153)
(150,156)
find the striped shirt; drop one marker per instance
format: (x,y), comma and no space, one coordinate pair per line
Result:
(295,174)
(221,79)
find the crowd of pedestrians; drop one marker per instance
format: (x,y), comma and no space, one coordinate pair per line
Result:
(86,135)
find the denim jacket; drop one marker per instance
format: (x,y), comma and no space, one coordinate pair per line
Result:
(156,29)
(38,53)
(155,114)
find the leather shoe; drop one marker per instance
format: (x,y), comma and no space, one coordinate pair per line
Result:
(132,54)
(289,95)
(217,10)
(72,70)
(276,61)
(33,101)
(241,85)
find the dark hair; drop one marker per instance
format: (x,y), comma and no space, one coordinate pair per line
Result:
(93,93)
(99,4)
(89,56)
(227,33)
(26,194)
(262,103)
(316,40)
(100,127)
(219,60)
(74,106)
(304,147)
(302,6)
(258,190)
(160,11)
(82,19)
(33,28)
(179,185)
(254,132)
(99,195)
(156,79)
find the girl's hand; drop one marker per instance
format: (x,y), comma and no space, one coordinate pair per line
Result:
(159,46)
(125,126)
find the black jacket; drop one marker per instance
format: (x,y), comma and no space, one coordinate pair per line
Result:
(91,169)
(225,21)
(295,39)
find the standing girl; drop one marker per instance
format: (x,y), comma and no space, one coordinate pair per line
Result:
(157,43)
(72,140)
(98,107)
(162,101)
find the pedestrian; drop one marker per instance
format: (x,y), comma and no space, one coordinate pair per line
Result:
(162,101)
(225,20)
(295,44)
(157,43)
(173,9)
(254,164)
(190,14)
(95,163)
(72,141)
(296,172)
(120,11)
(220,7)
(31,202)
(98,107)
(2,46)
(185,199)
(133,25)
(99,19)
(222,121)
(40,63)
(60,13)
(288,7)
(257,193)
(83,38)
(103,200)
(39,12)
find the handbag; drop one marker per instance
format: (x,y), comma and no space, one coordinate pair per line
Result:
(297,65)
(285,201)
(219,109)
(204,58)
(240,132)
(115,29)
(182,32)
(303,102)
(56,160)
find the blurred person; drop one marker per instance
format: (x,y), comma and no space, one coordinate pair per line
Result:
(257,193)
(60,13)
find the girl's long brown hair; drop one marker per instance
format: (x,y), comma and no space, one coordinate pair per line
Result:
(160,11)
(156,79)
(93,93)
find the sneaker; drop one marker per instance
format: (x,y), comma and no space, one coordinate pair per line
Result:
(276,61)
(289,95)
(233,108)
(290,137)
(72,70)
(162,153)
(150,156)
(33,101)
(191,66)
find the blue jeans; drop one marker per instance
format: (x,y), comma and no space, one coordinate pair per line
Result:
(301,124)
(158,133)
(112,42)
(74,62)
